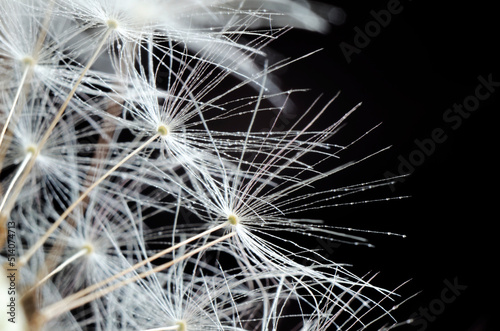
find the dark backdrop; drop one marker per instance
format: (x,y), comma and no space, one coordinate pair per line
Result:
(420,73)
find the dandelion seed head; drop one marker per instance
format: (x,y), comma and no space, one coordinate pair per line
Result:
(76,130)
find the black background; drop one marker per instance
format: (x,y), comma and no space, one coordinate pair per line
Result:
(427,59)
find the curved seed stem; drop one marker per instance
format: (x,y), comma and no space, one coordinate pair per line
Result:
(14,103)
(54,122)
(24,259)
(96,286)
(66,102)
(75,256)
(166,328)
(61,307)
(20,170)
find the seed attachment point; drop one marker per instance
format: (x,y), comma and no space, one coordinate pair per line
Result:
(28,61)
(112,24)
(31,149)
(88,248)
(181,326)
(162,130)
(233,219)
